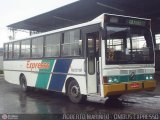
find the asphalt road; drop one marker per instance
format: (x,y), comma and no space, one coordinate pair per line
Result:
(13,101)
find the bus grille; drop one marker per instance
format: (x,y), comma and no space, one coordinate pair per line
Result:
(128,72)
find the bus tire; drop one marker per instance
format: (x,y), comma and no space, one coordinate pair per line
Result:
(74,92)
(114,97)
(23,83)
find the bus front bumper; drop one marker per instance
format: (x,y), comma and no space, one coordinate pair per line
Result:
(122,88)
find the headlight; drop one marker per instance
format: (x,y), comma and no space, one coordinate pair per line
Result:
(115,79)
(151,77)
(110,81)
(147,77)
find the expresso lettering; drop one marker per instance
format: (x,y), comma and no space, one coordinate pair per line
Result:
(34,65)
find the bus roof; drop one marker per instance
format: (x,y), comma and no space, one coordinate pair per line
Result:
(97,20)
(126,16)
(92,22)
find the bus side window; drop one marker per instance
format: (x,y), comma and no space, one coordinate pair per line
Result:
(25,49)
(52,45)
(37,47)
(5,51)
(16,50)
(71,43)
(10,51)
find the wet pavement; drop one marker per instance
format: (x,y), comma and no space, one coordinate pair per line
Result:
(13,101)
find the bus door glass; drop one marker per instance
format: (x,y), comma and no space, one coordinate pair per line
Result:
(93,44)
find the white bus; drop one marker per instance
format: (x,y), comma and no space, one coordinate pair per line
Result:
(106,57)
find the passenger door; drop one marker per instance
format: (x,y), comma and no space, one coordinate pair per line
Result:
(93,47)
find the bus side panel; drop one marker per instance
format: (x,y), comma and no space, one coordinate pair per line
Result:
(65,69)
(81,81)
(13,70)
(12,77)
(78,68)
(52,77)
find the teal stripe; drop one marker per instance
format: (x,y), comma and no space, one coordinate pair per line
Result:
(43,78)
(123,78)
(127,78)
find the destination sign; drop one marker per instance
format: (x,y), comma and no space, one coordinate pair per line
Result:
(119,20)
(136,22)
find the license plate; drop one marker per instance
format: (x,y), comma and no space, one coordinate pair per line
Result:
(135,85)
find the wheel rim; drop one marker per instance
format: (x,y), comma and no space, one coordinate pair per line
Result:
(75,91)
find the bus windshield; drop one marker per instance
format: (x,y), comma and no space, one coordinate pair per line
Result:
(128,45)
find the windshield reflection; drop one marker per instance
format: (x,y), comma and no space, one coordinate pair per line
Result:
(129,45)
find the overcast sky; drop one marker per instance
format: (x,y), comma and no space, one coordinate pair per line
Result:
(12,11)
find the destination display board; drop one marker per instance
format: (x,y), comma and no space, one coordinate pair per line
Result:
(129,21)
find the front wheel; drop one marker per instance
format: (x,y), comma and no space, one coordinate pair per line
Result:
(74,92)
(114,97)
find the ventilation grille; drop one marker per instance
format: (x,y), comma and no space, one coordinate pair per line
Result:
(140,71)
(124,72)
(128,72)
(132,71)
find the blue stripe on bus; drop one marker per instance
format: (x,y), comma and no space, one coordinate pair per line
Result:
(57,80)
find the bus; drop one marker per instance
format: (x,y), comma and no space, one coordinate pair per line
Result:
(108,56)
